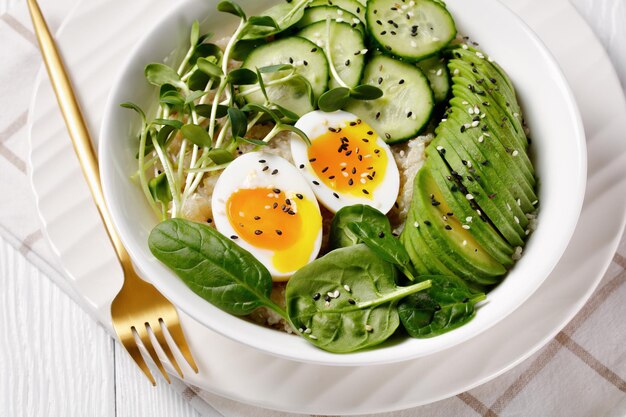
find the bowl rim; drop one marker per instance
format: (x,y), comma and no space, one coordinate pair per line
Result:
(361,358)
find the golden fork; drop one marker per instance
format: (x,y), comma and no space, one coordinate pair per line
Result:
(139,308)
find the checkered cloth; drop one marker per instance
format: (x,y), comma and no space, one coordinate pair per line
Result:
(581,372)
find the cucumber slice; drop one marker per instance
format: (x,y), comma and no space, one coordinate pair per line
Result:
(309,61)
(321,13)
(412,30)
(407,102)
(352,6)
(436,71)
(347,43)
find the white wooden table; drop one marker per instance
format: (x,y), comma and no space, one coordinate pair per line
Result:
(64,364)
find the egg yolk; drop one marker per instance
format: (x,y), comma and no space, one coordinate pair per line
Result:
(269,218)
(348,159)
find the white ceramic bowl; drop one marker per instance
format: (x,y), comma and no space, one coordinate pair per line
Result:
(558,150)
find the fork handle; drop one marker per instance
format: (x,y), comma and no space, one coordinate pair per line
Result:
(75,124)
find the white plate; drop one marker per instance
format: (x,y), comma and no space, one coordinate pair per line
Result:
(560,164)
(243,374)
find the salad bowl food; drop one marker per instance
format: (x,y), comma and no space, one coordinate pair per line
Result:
(264,180)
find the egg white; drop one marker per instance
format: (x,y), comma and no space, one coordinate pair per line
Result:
(247,172)
(316,124)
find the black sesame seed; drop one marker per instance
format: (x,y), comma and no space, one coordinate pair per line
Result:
(315,182)
(274,205)
(347,62)
(353,171)
(365,140)
(275,172)
(276,190)
(381,235)
(209,221)
(301,166)
(350,182)
(383,33)
(335,195)
(351,301)
(332,129)
(448,227)
(437,307)
(312,159)
(380,80)
(300,196)
(387,135)
(332,177)
(327,298)
(316,296)
(314,50)
(324,170)
(462,128)
(258,232)
(279,232)
(427,222)
(265,168)
(257,218)
(365,191)
(233,237)
(465,300)
(409,114)
(262,161)
(377,115)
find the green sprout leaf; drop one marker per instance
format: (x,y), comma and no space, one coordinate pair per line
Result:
(366,92)
(220,156)
(242,48)
(172,97)
(242,76)
(256,142)
(209,68)
(195,33)
(206,50)
(238,122)
(286,113)
(160,74)
(196,135)
(284,14)
(298,132)
(252,107)
(159,189)
(308,86)
(264,21)
(176,124)
(165,134)
(193,96)
(334,99)
(232,8)
(204,110)
(136,108)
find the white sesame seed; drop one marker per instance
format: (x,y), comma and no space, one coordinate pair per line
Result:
(456,72)
(404,7)
(470,110)
(340,12)
(480,55)
(411,3)
(476,109)
(465,243)
(515,153)
(487,134)
(516,114)
(475,123)
(435,39)
(469,219)
(300,329)
(336,294)
(416,225)
(519,202)
(355,20)
(346,287)
(363,181)
(516,219)
(413,44)
(479,213)
(410,13)
(443,120)
(464,46)
(312,337)
(344,173)
(508,206)
(339,20)
(440,148)
(363,175)
(268,207)
(480,138)
(327,303)
(363,51)
(343,164)
(469,196)
(368,328)
(469,164)
(490,59)
(464,102)
(527,232)
(534,202)
(439,72)
(466,227)
(307,331)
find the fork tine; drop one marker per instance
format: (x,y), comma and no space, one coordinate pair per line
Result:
(158,333)
(147,343)
(129,343)
(179,338)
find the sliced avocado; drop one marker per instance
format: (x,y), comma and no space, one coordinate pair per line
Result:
(423,258)
(503,220)
(495,175)
(499,141)
(484,232)
(454,246)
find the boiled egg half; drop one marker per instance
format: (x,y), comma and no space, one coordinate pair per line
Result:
(347,162)
(263,203)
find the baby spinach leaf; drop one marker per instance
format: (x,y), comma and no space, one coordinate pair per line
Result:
(212,266)
(385,245)
(346,300)
(448,304)
(341,236)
